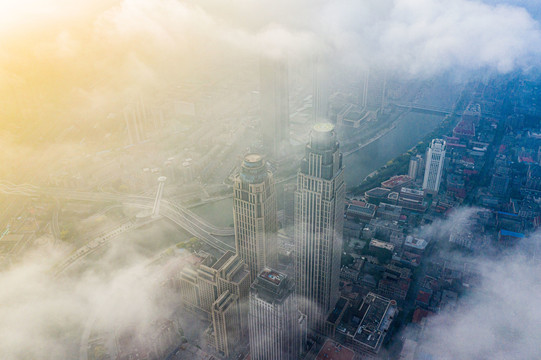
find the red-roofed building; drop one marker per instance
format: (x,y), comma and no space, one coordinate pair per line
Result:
(332,350)
(396,182)
(419,314)
(464,129)
(423,298)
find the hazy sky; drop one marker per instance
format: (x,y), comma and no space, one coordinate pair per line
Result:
(66,60)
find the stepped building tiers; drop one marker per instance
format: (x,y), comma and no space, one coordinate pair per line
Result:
(255,218)
(319,220)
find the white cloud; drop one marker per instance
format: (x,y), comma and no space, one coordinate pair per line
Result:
(499,320)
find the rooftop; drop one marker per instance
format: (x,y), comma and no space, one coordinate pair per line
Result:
(381,244)
(416,243)
(511,233)
(335,313)
(396,181)
(377,314)
(323,127)
(271,286)
(333,351)
(378,192)
(272,276)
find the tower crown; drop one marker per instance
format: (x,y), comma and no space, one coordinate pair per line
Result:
(253,169)
(323,137)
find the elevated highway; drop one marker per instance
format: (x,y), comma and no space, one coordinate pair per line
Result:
(195,225)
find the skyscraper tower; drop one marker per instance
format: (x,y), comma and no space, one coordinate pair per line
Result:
(274,320)
(320,91)
(319,221)
(435,157)
(274,106)
(254,214)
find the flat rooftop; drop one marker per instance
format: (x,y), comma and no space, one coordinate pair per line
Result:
(378,192)
(396,181)
(338,309)
(272,276)
(361,209)
(331,350)
(377,314)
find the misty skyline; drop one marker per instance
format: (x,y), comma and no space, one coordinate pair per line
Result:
(100,99)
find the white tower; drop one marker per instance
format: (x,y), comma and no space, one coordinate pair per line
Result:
(435,157)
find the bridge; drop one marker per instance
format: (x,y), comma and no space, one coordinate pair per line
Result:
(195,225)
(423,109)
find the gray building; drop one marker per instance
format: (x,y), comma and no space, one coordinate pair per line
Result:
(319,222)
(415,169)
(255,215)
(274,106)
(201,287)
(276,326)
(226,323)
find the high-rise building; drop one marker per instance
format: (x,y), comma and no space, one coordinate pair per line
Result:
(226,323)
(435,156)
(274,320)
(254,214)
(319,221)
(201,287)
(320,91)
(274,106)
(373,88)
(415,167)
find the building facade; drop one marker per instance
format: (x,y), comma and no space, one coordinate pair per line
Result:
(274,106)
(319,221)
(226,323)
(435,157)
(201,287)
(255,215)
(415,167)
(274,320)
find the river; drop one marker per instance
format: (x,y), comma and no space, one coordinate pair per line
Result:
(409,130)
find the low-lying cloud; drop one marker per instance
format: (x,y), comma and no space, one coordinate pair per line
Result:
(498,320)
(43,317)
(498,317)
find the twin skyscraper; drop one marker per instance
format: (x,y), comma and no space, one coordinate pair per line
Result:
(281,307)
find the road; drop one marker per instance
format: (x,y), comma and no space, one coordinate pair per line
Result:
(179,215)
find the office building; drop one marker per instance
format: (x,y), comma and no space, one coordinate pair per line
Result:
(274,106)
(435,157)
(332,350)
(376,314)
(373,89)
(254,214)
(415,167)
(320,91)
(226,323)
(201,287)
(319,221)
(274,320)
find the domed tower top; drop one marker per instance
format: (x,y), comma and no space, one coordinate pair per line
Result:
(253,169)
(323,137)
(322,156)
